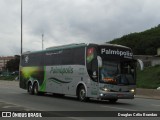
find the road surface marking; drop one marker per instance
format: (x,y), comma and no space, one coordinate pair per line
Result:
(75,118)
(155,105)
(8,106)
(120,108)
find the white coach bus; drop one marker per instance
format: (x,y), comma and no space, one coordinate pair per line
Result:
(105,72)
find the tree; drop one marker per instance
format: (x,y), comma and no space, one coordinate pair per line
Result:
(13,64)
(142,43)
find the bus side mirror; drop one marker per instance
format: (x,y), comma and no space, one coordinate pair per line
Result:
(141,64)
(99,61)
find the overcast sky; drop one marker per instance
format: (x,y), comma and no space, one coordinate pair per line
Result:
(72,21)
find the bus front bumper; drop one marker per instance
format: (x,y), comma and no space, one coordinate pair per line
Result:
(116,95)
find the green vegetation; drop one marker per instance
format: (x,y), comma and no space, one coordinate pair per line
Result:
(10,77)
(143,43)
(11,69)
(13,64)
(149,78)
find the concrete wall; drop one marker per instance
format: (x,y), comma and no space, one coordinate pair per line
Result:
(148,60)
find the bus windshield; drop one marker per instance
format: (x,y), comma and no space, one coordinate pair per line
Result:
(118,72)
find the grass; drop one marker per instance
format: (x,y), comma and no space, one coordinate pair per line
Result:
(149,77)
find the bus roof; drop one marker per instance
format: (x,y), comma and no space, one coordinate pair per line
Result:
(66,46)
(74,46)
(58,48)
(115,45)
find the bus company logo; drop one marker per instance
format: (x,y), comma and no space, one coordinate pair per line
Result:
(6,114)
(21,114)
(26,59)
(61,70)
(125,54)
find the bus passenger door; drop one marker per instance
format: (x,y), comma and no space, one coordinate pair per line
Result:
(94,78)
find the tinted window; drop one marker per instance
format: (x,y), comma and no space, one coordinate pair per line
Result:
(73,56)
(34,59)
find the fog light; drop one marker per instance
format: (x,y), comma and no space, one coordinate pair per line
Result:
(101,94)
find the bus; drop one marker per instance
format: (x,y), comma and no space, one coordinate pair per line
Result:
(101,71)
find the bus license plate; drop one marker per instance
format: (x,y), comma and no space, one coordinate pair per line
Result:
(120,95)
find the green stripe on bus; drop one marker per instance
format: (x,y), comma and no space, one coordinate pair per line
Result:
(43,86)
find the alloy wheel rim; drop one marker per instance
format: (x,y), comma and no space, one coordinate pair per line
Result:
(82,94)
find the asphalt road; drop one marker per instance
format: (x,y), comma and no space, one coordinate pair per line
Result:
(14,98)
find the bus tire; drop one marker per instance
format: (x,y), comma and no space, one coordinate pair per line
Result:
(113,100)
(30,88)
(82,94)
(35,89)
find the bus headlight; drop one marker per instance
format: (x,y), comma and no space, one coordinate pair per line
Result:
(105,89)
(132,90)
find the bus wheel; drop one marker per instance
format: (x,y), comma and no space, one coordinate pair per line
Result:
(82,94)
(113,100)
(35,88)
(30,89)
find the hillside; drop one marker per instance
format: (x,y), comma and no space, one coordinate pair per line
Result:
(149,77)
(143,43)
